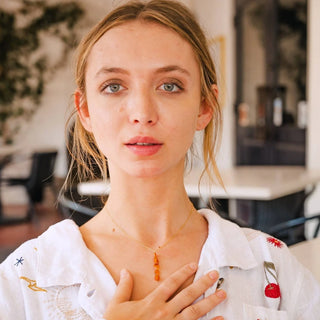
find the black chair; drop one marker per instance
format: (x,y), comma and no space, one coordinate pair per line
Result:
(41,175)
(292,231)
(79,208)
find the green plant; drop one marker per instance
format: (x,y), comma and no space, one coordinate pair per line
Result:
(25,63)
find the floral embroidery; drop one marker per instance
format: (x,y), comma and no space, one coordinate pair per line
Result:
(272,290)
(277,243)
(61,304)
(19,261)
(32,284)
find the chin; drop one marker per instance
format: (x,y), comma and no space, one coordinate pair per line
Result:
(146,171)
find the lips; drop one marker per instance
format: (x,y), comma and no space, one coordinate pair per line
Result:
(143,140)
(143,146)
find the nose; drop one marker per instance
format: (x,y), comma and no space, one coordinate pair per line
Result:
(142,108)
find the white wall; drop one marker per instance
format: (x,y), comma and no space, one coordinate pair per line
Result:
(216,17)
(313,97)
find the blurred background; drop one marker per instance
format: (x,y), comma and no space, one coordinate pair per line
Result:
(268,57)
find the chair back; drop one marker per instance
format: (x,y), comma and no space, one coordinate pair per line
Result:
(41,174)
(289,231)
(78,208)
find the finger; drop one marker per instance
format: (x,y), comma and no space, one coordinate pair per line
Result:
(218,318)
(202,307)
(190,294)
(169,286)
(124,289)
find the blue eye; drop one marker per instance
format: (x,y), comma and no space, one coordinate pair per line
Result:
(170,87)
(113,88)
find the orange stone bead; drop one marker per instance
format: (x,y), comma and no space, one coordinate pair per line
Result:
(157,275)
(156,267)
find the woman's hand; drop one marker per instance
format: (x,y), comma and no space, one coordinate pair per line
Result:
(158,305)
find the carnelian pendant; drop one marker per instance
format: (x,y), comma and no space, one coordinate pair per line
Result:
(156,267)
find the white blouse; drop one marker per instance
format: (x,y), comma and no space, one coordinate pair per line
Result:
(57,277)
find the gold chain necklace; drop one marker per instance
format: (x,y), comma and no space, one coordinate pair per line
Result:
(156,264)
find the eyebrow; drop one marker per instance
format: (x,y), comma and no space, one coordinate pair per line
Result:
(106,70)
(170,68)
(173,68)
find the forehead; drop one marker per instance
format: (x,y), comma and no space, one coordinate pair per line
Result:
(146,43)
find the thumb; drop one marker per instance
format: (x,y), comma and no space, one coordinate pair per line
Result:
(124,289)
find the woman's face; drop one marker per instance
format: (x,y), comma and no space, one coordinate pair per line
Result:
(143,101)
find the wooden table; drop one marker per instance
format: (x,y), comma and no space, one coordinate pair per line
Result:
(308,253)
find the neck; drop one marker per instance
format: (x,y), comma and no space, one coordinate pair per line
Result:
(150,210)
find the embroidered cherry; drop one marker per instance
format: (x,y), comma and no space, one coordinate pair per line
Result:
(272,290)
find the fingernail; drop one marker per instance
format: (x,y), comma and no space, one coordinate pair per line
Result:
(221,294)
(193,266)
(213,275)
(123,273)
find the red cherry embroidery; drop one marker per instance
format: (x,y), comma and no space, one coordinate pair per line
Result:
(272,290)
(277,243)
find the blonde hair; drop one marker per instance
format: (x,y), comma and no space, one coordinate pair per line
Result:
(174,16)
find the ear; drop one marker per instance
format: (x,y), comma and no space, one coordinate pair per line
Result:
(82,110)
(206,111)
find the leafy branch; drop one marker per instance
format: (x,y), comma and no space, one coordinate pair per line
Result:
(25,61)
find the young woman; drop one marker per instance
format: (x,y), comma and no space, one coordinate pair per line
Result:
(146,84)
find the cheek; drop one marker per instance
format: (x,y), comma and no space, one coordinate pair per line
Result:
(184,127)
(100,112)
(104,128)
